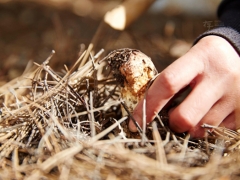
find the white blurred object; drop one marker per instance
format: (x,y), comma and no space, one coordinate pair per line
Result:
(189,7)
(123,15)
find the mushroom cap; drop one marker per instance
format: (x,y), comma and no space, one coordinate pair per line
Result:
(133,70)
(138,70)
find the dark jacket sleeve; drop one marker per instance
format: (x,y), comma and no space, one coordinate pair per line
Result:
(229,15)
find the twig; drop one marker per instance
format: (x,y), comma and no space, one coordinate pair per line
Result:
(106,131)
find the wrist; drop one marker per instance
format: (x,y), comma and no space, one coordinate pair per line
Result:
(228,33)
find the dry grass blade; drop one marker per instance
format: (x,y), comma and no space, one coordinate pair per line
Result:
(64,155)
(161,157)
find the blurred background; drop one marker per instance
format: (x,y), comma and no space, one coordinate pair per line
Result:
(31,29)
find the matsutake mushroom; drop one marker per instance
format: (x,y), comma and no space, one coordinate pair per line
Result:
(133,70)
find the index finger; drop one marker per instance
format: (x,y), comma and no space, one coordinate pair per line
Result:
(170,81)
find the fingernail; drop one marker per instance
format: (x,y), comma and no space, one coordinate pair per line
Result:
(197,132)
(131,125)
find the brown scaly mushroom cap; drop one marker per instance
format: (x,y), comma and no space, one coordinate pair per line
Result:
(133,70)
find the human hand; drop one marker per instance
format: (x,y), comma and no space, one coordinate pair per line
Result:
(212,69)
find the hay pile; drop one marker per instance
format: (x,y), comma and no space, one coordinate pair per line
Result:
(68,125)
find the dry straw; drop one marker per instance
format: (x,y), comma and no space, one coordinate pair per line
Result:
(68,125)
